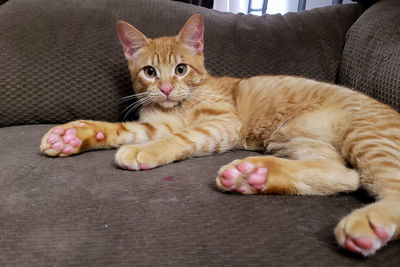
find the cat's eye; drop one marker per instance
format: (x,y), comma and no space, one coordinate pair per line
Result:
(181,69)
(150,72)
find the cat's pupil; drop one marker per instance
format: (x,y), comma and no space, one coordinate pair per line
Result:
(181,69)
(149,71)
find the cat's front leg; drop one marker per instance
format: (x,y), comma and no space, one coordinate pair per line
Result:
(78,136)
(154,154)
(199,140)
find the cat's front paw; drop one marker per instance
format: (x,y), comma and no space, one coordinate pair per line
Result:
(137,157)
(366,230)
(68,139)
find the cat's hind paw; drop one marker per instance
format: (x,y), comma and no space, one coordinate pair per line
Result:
(365,231)
(242,177)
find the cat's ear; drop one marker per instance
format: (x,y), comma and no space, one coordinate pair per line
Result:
(192,33)
(131,39)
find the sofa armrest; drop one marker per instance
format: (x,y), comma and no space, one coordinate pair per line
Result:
(371,56)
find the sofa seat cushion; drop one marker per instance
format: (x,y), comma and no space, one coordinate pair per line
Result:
(83,211)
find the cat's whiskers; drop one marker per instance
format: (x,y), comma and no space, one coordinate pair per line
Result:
(134,106)
(134,96)
(137,102)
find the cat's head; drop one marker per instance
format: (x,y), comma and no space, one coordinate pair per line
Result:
(165,70)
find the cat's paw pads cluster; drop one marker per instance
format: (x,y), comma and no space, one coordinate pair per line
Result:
(243,177)
(63,141)
(357,233)
(60,142)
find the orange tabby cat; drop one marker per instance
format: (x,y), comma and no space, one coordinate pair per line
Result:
(313,129)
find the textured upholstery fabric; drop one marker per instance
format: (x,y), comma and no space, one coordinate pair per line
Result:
(80,211)
(65,57)
(371,56)
(61,60)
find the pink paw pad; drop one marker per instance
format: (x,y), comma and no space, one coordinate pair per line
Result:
(58,130)
(99,136)
(143,166)
(75,142)
(71,131)
(350,245)
(363,243)
(230,174)
(257,178)
(228,177)
(242,189)
(381,233)
(67,150)
(245,167)
(227,183)
(68,138)
(258,186)
(52,139)
(57,145)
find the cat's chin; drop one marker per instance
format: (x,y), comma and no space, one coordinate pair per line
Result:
(169,103)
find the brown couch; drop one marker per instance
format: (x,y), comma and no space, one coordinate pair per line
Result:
(61,61)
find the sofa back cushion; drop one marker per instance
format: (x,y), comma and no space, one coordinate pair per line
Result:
(61,60)
(371,56)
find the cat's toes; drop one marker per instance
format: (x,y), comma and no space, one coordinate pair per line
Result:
(243,177)
(65,140)
(130,157)
(60,141)
(365,231)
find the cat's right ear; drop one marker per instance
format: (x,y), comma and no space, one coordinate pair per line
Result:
(131,39)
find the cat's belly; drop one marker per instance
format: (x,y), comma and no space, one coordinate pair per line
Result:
(274,109)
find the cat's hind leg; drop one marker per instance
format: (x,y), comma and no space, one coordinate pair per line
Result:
(368,229)
(312,167)
(315,167)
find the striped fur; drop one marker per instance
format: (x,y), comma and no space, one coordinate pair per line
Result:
(311,130)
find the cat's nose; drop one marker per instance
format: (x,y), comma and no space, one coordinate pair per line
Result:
(166,89)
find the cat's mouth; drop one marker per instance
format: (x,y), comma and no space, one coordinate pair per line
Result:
(169,103)
(171,100)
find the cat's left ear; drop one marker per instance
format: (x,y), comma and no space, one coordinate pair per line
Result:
(192,33)
(131,39)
